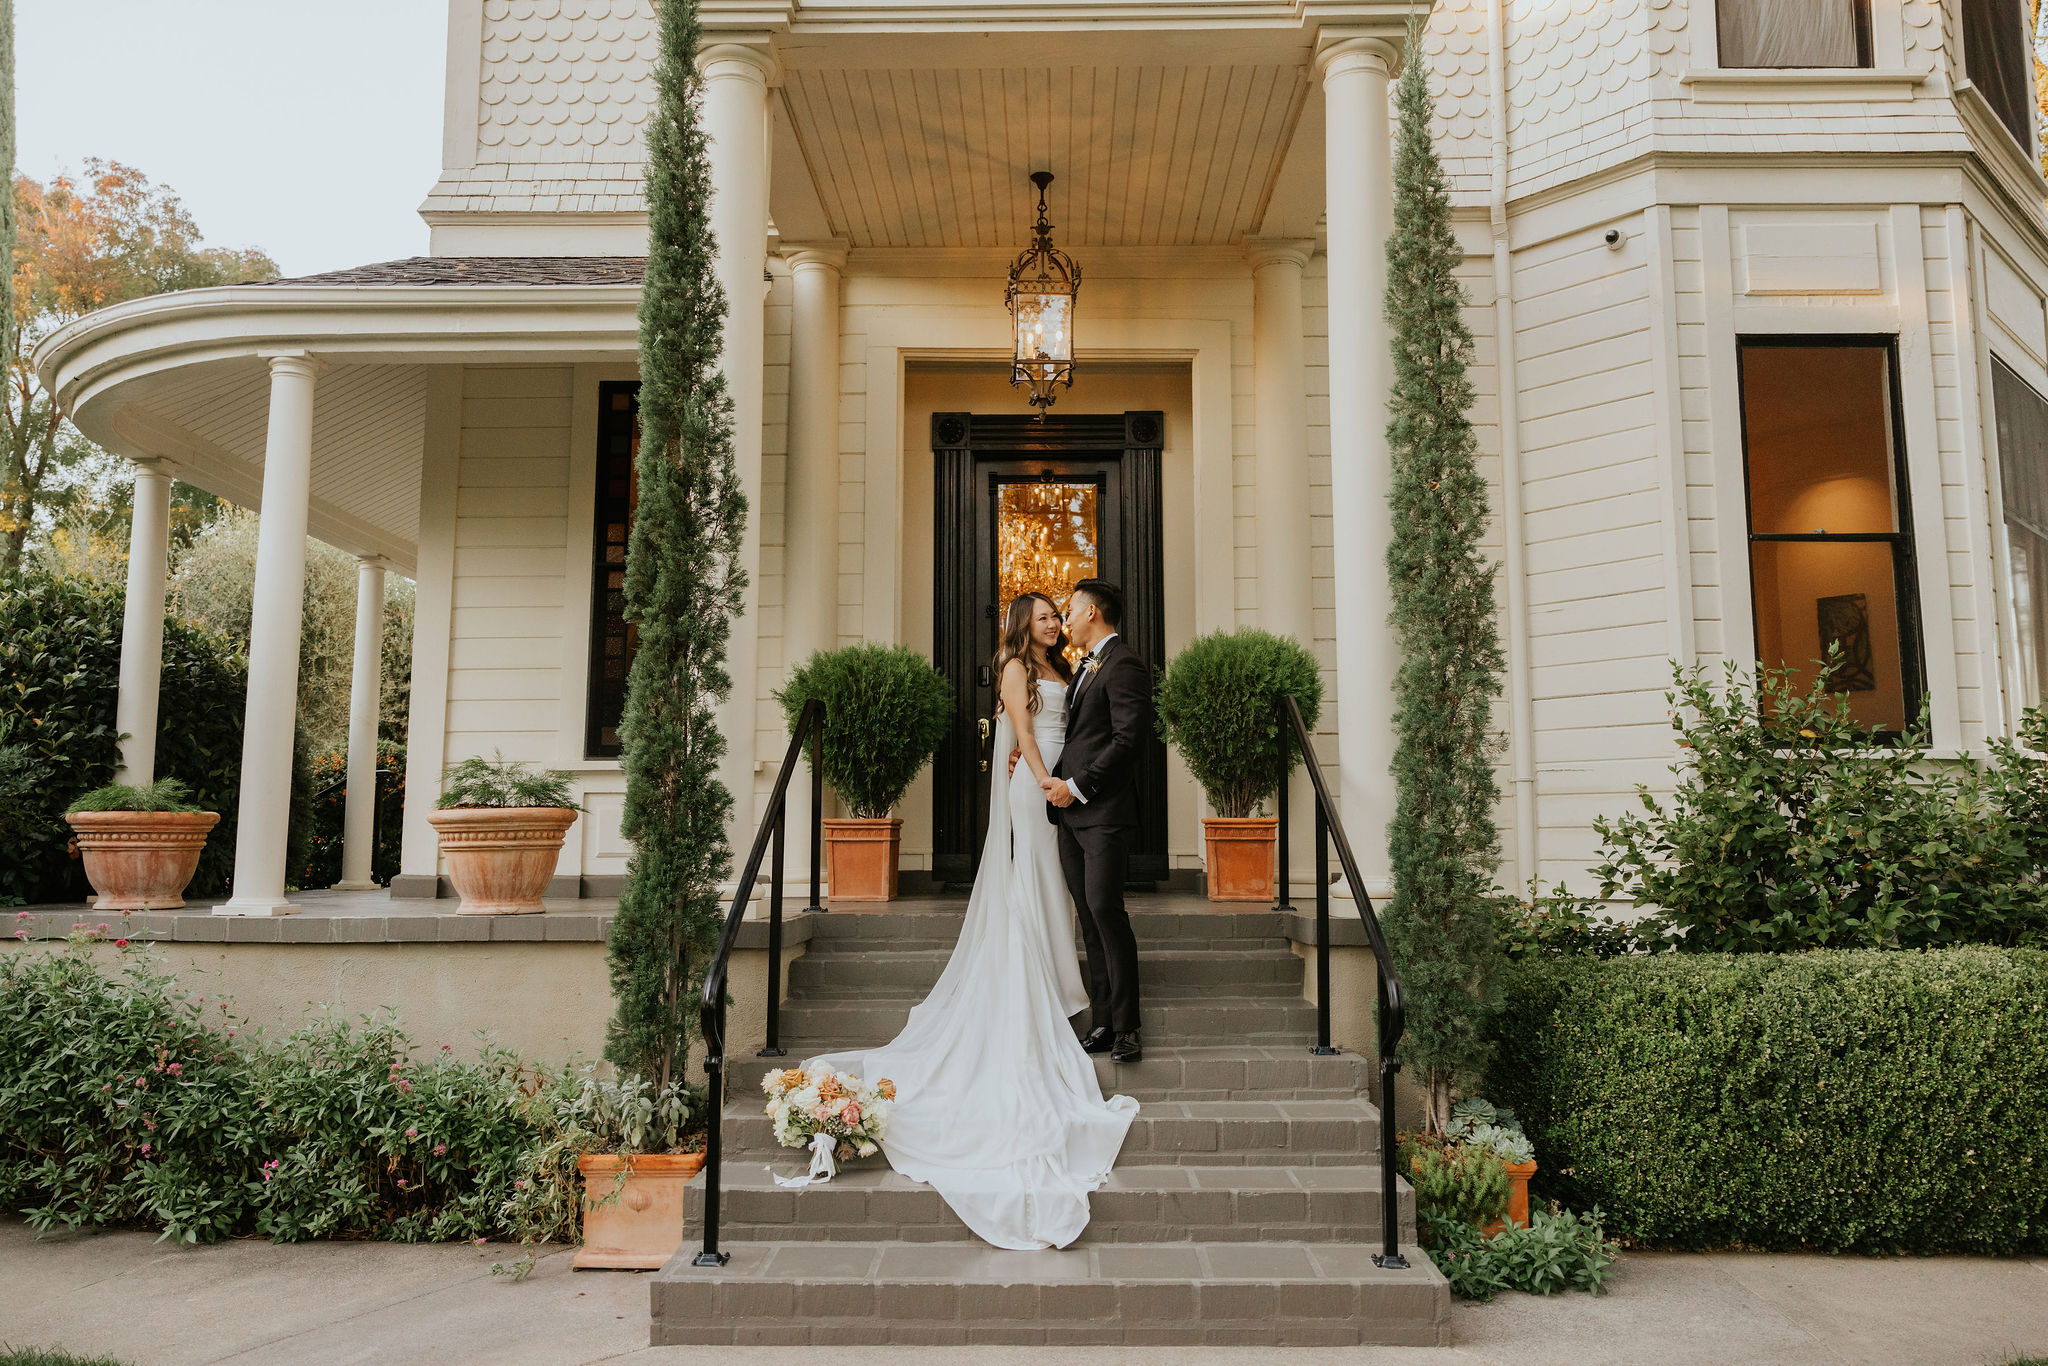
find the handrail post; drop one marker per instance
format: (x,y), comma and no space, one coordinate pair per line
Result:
(817,905)
(773,1049)
(1389,1256)
(714,1099)
(1322,1048)
(1283,900)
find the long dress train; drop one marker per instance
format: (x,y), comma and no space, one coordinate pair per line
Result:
(997,1107)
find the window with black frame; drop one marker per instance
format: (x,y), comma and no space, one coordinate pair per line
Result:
(2023,482)
(2000,63)
(1830,546)
(1793,33)
(612,638)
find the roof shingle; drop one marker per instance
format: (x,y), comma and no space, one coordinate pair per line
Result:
(484,270)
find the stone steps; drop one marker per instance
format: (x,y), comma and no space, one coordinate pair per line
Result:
(1266,1294)
(871,931)
(1267,1021)
(869,1202)
(1243,1210)
(1285,1071)
(893,971)
(1211,1133)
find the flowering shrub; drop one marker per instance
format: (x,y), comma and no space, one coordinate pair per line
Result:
(125,1099)
(818,1100)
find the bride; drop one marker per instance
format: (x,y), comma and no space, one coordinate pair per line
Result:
(997,1107)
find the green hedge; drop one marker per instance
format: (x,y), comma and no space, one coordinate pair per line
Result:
(60,667)
(1841,1100)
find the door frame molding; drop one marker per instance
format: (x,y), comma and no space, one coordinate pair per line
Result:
(962,445)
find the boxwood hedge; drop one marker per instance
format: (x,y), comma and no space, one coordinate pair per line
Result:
(1838,1100)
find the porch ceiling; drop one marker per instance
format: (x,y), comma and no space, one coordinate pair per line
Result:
(1145,155)
(368,424)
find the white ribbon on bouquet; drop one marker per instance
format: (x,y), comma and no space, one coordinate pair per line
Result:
(822,1166)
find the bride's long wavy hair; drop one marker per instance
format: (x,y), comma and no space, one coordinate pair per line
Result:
(1017,644)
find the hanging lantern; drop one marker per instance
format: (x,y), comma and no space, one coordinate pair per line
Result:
(1043,283)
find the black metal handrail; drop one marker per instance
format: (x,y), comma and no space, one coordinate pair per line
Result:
(711,1014)
(376,809)
(1392,1019)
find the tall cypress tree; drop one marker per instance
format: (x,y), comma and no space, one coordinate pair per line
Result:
(1443,844)
(683,586)
(7,228)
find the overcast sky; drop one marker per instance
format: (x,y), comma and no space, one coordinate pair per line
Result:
(311,130)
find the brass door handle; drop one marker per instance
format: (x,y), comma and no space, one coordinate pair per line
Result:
(983,724)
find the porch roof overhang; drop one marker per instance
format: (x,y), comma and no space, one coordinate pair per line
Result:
(1170,123)
(184,378)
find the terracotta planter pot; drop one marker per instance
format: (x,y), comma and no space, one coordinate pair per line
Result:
(642,1227)
(1240,857)
(860,857)
(501,858)
(141,860)
(1518,1198)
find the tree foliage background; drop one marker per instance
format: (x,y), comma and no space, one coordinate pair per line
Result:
(683,586)
(1442,843)
(84,242)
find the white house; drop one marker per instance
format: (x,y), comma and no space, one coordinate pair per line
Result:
(1758,287)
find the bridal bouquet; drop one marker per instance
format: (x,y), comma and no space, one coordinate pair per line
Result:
(808,1104)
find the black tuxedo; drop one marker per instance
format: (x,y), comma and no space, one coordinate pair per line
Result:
(1109,720)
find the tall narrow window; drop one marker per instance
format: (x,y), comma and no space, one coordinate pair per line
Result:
(1995,51)
(1830,557)
(612,640)
(2023,478)
(1794,33)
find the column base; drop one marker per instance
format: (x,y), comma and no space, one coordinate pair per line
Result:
(363,886)
(257,905)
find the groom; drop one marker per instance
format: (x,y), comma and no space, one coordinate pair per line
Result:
(1093,797)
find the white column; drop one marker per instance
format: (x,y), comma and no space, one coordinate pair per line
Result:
(365,694)
(1280,493)
(142,623)
(274,621)
(810,585)
(736,123)
(1360,216)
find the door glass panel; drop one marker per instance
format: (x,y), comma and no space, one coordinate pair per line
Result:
(1813,594)
(1046,540)
(1818,424)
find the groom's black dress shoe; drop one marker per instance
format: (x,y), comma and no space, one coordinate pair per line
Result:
(1127,1048)
(1096,1040)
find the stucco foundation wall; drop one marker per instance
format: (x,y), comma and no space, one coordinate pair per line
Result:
(544,1001)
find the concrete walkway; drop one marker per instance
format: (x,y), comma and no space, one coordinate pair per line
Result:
(153,1304)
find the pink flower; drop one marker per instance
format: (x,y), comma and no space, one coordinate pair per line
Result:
(176,1069)
(401,1183)
(142,1083)
(102,928)
(850,1112)
(412,1133)
(440,1148)
(120,943)
(21,915)
(450,1048)
(21,934)
(519,1185)
(479,1242)
(406,1087)
(107,1087)
(145,1150)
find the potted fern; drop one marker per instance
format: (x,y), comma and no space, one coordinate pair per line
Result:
(501,826)
(886,709)
(140,844)
(1217,707)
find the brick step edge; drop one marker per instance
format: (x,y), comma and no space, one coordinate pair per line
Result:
(1220,1294)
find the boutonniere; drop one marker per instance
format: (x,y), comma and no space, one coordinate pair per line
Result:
(1091,664)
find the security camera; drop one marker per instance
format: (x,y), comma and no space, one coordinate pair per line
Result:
(1614,237)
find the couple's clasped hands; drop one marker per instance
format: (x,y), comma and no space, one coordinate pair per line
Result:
(1056,792)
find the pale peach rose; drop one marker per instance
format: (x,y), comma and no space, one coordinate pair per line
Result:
(850,1112)
(792,1077)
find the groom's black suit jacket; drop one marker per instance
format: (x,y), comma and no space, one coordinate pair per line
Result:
(1109,718)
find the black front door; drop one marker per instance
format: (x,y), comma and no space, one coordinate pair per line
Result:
(1027,505)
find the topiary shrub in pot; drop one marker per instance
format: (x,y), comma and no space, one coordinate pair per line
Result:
(886,709)
(140,845)
(501,826)
(1217,707)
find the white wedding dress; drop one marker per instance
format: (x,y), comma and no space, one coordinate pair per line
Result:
(997,1108)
